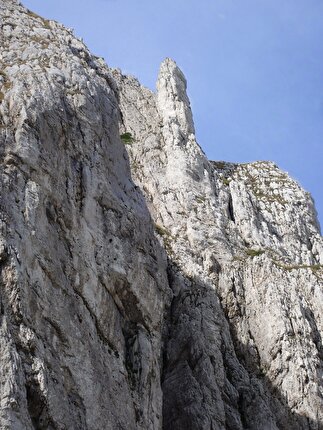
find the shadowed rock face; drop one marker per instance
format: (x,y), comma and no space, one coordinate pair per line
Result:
(143,286)
(83,277)
(244,346)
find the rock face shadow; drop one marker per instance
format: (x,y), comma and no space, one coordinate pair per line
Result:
(210,380)
(91,334)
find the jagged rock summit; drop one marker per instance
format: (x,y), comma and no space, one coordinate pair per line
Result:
(142,285)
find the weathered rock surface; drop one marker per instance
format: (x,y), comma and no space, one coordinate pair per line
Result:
(245,263)
(143,286)
(84,281)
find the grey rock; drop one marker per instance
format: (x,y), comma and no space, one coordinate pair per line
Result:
(245,251)
(143,286)
(84,282)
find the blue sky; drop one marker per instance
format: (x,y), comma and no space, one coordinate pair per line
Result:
(254,69)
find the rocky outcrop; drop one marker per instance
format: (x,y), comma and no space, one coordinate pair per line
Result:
(143,286)
(245,257)
(84,282)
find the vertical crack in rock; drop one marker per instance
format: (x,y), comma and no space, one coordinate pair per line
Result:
(230,209)
(37,407)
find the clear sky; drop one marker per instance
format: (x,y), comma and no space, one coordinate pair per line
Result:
(254,69)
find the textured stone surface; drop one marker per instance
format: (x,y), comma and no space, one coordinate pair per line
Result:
(245,257)
(143,286)
(83,278)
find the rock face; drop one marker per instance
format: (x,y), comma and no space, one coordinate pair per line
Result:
(84,283)
(142,285)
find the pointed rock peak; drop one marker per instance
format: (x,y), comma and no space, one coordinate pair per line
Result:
(172,101)
(170,68)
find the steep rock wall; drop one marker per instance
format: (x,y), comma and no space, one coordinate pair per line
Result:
(143,286)
(243,241)
(83,278)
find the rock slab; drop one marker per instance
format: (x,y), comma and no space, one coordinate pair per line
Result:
(142,285)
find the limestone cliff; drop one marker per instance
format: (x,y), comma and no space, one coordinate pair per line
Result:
(142,285)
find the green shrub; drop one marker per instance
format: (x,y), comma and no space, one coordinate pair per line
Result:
(289,267)
(161,230)
(45,22)
(127,138)
(226,181)
(254,252)
(200,199)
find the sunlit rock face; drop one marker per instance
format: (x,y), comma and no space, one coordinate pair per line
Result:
(142,285)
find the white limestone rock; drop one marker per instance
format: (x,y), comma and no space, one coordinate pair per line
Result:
(143,286)
(247,234)
(84,282)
